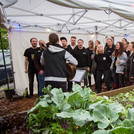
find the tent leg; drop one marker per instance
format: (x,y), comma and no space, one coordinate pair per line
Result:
(4,60)
(11,60)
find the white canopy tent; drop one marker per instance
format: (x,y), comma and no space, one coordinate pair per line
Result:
(86,19)
(101,18)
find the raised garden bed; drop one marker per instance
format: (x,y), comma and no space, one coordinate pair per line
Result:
(54,119)
(117,91)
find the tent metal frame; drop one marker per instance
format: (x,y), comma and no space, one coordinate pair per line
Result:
(70,24)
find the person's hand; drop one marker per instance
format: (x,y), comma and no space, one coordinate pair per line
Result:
(132,77)
(26,71)
(111,69)
(88,68)
(118,61)
(122,72)
(41,72)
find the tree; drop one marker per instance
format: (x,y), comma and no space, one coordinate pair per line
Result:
(4,36)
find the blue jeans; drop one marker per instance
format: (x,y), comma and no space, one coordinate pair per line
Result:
(41,79)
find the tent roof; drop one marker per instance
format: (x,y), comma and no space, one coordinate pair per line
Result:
(44,16)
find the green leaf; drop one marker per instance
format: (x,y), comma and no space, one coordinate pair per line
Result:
(117,123)
(131,98)
(81,117)
(127,123)
(47,89)
(123,130)
(92,106)
(64,114)
(100,132)
(77,88)
(86,93)
(67,94)
(104,116)
(131,114)
(58,96)
(64,106)
(75,100)
(41,104)
(116,107)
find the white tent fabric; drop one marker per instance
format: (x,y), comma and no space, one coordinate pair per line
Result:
(7,3)
(124,8)
(3,20)
(102,17)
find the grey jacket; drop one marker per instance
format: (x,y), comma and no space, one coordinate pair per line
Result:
(121,65)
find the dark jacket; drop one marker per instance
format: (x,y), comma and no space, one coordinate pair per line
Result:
(91,53)
(82,57)
(37,63)
(108,50)
(51,57)
(102,61)
(70,50)
(130,67)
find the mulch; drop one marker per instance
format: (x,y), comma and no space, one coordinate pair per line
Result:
(21,104)
(16,105)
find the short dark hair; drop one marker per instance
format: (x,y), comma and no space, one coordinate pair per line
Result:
(63,38)
(80,40)
(53,38)
(73,37)
(32,39)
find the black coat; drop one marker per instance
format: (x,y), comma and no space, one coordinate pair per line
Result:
(129,70)
(103,61)
(82,56)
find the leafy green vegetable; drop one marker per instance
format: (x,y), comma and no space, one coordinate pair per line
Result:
(131,114)
(104,116)
(81,112)
(100,132)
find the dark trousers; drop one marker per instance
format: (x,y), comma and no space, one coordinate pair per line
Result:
(89,78)
(119,78)
(31,81)
(56,84)
(70,84)
(99,79)
(95,78)
(41,79)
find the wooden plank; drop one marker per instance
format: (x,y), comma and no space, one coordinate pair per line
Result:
(116,91)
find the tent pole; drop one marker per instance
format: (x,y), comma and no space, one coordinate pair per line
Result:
(9,42)
(4,60)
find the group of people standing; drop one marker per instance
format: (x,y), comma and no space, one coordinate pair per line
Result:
(48,61)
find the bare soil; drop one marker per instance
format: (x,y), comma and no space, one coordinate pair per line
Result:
(16,105)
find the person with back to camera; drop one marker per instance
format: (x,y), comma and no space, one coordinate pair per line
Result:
(29,63)
(119,58)
(102,60)
(39,68)
(53,59)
